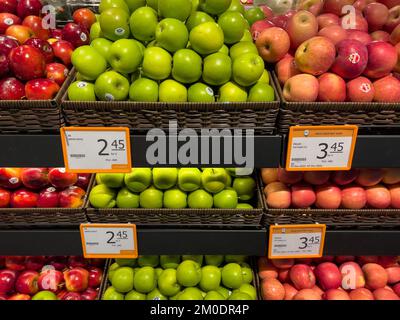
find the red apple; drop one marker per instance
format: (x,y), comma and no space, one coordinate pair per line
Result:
(6,20)
(8,6)
(375,275)
(76,279)
(391,175)
(283,263)
(24,198)
(77,262)
(34,178)
(367,259)
(361,36)
(11,89)
(268,13)
(7,280)
(75,34)
(397,67)
(352,275)
(48,198)
(27,282)
(353,197)
(35,24)
(376,15)
(41,89)
(327,19)
(266,270)
(385,294)
(369,177)
(19,32)
(334,33)
(19,296)
(29,7)
(314,6)
(289,177)
(301,26)
(273,44)
(328,275)
(336,294)
(10,178)
(283,275)
(382,58)
(6,44)
(56,72)
(272,289)
(394,19)
(280,21)
(316,177)
(51,280)
(5,197)
(393,274)
(65,295)
(278,195)
(58,262)
(302,276)
(395,195)
(84,17)
(44,47)
(286,68)
(359,5)
(95,277)
(259,26)
(301,87)
(303,195)
(83,180)
(389,3)
(387,89)
(71,197)
(360,90)
(396,289)
(328,196)
(290,291)
(59,178)
(16,263)
(56,34)
(378,197)
(89,294)
(27,62)
(35,263)
(335,6)
(388,261)
(332,88)
(307,294)
(63,50)
(380,35)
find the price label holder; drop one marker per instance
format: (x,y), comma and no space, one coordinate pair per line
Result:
(296,241)
(314,148)
(109,241)
(93,150)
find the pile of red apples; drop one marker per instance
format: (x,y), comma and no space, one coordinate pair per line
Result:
(354,189)
(42,188)
(330,278)
(50,278)
(325,52)
(34,59)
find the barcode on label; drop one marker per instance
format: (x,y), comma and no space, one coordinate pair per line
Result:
(280,245)
(299,159)
(78,155)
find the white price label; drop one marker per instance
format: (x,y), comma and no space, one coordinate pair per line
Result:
(109,241)
(321,148)
(93,150)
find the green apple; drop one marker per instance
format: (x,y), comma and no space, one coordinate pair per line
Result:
(151,198)
(224,49)
(111,86)
(245,187)
(156,295)
(215,7)
(239,296)
(228,183)
(102,196)
(157,63)
(200,199)
(159,271)
(134,295)
(171,34)
(196,18)
(167,283)
(254,14)
(44,295)
(261,92)
(148,261)
(143,23)
(177,9)
(247,36)
(114,24)
(206,38)
(242,48)
(186,66)
(170,261)
(214,260)
(102,46)
(175,199)
(112,180)
(138,180)
(190,294)
(175,297)
(196,258)
(88,62)
(236,6)
(231,92)
(188,273)
(107,4)
(80,77)
(112,294)
(210,278)
(235,258)
(111,270)
(153,4)
(144,89)
(135,4)
(226,199)
(189,179)
(247,273)
(217,69)
(247,69)
(224,292)
(195,5)
(172,91)
(245,206)
(125,56)
(122,280)
(81,91)
(232,276)
(233,25)
(200,92)
(213,295)
(127,199)
(98,178)
(126,262)
(165,178)
(145,280)
(214,179)
(264,78)
(95,31)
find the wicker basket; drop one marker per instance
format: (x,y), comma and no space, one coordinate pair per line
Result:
(334,113)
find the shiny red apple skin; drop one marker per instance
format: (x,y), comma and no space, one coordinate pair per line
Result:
(29,7)
(11,89)
(58,262)
(35,23)
(24,198)
(19,32)
(56,34)
(19,296)
(5,197)
(382,58)
(84,17)
(41,89)
(10,178)
(35,263)
(75,34)
(6,20)
(48,198)
(76,279)
(6,45)
(89,294)
(77,262)
(83,180)
(15,263)
(51,280)
(7,280)
(64,295)
(27,62)
(72,197)
(34,178)
(57,72)
(27,282)
(59,178)
(95,277)
(44,47)
(9,6)
(63,50)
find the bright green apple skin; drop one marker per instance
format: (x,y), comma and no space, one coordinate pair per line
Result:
(214,179)
(156,295)
(206,38)
(196,18)
(239,296)
(214,260)
(224,49)
(228,183)
(233,25)
(224,291)
(153,4)
(114,24)
(190,294)
(135,4)
(261,92)
(264,78)
(232,276)
(247,36)
(170,261)
(95,31)
(215,7)
(245,187)
(231,92)
(127,199)
(138,180)
(107,4)
(200,199)
(247,273)
(102,196)
(188,273)
(175,199)
(247,69)
(213,295)
(210,278)
(148,261)
(125,56)
(186,66)
(172,34)
(143,23)
(235,258)
(244,206)
(226,199)
(134,295)
(177,9)
(172,91)
(102,46)
(165,178)
(112,294)
(112,269)
(168,283)
(126,262)
(217,69)
(111,86)
(200,92)
(196,258)
(189,179)
(88,62)
(242,48)
(145,280)
(122,280)
(254,14)
(81,91)
(236,6)
(157,63)
(144,89)
(44,295)
(151,198)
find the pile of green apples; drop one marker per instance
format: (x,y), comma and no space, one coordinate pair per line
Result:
(189,277)
(170,51)
(174,189)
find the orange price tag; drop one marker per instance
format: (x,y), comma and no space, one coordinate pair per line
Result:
(109,241)
(93,150)
(313,148)
(296,241)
